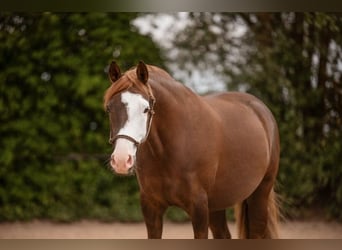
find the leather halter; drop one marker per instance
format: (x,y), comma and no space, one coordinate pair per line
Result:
(150,111)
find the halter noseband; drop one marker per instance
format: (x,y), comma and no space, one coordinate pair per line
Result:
(150,111)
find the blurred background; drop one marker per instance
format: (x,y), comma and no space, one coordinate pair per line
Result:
(54,131)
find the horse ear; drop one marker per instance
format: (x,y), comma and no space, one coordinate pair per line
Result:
(114,72)
(142,72)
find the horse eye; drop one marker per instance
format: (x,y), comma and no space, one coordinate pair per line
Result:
(146,110)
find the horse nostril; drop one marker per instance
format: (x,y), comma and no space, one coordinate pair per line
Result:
(130,160)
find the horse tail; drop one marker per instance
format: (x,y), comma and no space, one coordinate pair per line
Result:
(272,228)
(273,215)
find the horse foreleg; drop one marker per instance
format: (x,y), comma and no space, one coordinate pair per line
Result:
(153,215)
(200,217)
(218,225)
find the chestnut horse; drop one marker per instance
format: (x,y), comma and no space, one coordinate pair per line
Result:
(202,154)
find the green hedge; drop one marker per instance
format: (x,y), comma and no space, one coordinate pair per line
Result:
(54,131)
(66,191)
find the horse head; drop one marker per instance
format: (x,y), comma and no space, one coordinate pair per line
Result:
(129,102)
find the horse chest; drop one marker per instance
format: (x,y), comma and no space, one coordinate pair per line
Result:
(167,188)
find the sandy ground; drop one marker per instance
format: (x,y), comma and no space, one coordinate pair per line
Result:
(99,230)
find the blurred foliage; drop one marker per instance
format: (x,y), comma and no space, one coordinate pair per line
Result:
(53,129)
(293,62)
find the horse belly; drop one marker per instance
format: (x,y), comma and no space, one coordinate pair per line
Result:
(229,191)
(234,186)
(242,166)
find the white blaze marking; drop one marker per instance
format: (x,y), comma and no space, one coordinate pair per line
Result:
(137,119)
(136,124)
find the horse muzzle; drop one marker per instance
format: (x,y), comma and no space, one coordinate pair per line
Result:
(122,163)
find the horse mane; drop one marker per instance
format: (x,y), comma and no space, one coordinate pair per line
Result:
(129,79)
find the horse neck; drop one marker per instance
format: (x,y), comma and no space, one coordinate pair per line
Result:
(174,101)
(172,116)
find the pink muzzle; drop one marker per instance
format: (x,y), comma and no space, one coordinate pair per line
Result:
(122,161)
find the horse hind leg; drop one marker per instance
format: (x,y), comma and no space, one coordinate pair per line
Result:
(258,214)
(218,225)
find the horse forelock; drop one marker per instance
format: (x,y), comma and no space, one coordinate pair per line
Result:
(126,81)
(129,79)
